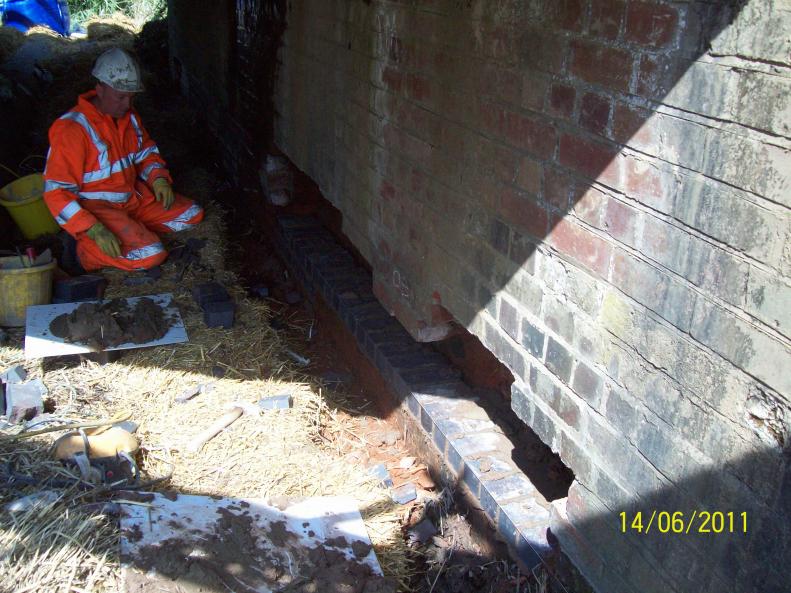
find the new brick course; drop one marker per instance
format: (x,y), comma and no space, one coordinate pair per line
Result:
(600,191)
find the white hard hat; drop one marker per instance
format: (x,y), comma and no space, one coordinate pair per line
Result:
(119,70)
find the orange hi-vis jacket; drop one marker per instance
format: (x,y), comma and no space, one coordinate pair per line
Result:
(97,158)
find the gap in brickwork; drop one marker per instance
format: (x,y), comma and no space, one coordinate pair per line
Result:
(490,379)
(491,382)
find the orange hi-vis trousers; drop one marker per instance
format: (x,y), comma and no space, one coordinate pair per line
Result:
(137,224)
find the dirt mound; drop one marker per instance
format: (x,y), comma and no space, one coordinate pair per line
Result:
(106,325)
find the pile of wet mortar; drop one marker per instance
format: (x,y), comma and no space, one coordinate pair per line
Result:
(106,325)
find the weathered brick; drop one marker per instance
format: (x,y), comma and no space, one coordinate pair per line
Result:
(606,18)
(525,289)
(595,113)
(567,14)
(558,187)
(768,299)
(599,64)
(755,33)
(533,339)
(575,457)
(542,51)
(593,159)
(505,350)
(561,100)
(521,402)
(621,411)
(650,183)
(535,87)
(534,136)
(499,236)
(591,206)
(529,175)
(744,345)
(545,428)
(763,168)
(588,384)
(695,86)
(620,221)
(730,216)
(524,211)
(559,318)
(581,245)
(638,475)
(650,23)
(559,360)
(509,319)
(522,252)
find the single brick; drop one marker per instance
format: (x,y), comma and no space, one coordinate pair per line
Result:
(595,113)
(209,292)
(472,480)
(481,443)
(559,360)
(599,64)
(82,288)
(588,384)
(454,428)
(521,403)
(499,236)
(509,319)
(533,339)
(606,18)
(650,23)
(276,402)
(510,487)
(218,314)
(544,427)
(561,100)
(489,505)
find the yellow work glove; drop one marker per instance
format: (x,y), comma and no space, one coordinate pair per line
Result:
(105,239)
(163,192)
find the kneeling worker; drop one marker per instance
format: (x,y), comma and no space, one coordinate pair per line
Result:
(105,182)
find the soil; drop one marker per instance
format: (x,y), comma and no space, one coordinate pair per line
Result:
(105,325)
(234,556)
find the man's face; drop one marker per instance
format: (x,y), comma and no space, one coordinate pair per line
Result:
(111,102)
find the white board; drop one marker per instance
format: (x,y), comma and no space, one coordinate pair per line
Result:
(199,529)
(39,341)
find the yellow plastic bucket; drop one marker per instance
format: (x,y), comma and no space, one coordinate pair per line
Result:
(21,288)
(24,202)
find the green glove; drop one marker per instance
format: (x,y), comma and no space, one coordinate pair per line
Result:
(105,239)
(163,192)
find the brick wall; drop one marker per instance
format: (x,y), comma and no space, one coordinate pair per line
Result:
(599,190)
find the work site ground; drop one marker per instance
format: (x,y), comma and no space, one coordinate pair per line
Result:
(341,436)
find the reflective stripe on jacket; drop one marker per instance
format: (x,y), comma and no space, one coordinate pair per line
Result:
(94,157)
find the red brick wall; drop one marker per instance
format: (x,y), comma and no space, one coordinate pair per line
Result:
(599,190)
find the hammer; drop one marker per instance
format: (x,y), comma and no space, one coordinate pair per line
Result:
(235,411)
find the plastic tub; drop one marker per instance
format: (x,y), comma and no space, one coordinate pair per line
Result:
(24,201)
(21,288)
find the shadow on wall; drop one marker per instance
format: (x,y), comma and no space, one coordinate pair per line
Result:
(738,544)
(590,189)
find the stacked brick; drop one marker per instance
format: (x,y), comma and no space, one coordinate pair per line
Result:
(599,190)
(473,450)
